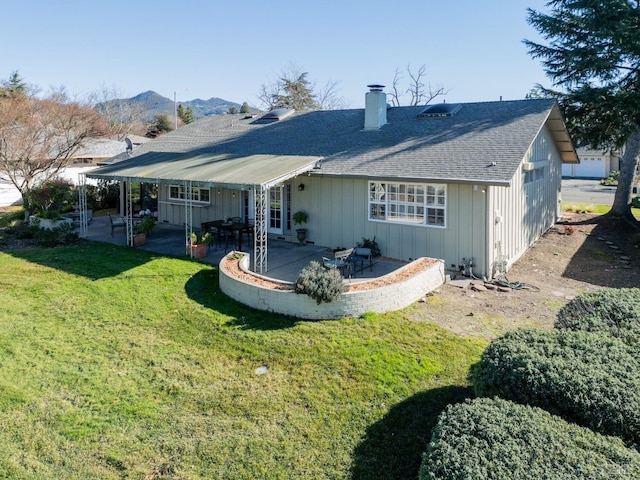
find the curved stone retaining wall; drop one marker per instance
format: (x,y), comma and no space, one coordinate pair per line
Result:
(394,296)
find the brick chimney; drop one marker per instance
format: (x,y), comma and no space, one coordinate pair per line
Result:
(375,108)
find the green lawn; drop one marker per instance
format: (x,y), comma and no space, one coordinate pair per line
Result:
(117,363)
(594,208)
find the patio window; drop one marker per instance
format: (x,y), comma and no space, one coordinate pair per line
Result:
(408,203)
(177,192)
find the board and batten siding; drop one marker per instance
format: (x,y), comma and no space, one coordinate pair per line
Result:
(521,213)
(338,211)
(222,205)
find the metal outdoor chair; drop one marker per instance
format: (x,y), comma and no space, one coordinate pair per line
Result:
(359,257)
(116,222)
(341,261)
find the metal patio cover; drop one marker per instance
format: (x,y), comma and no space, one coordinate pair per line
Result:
(242,172)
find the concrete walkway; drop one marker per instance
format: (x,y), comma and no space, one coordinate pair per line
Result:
(284,259)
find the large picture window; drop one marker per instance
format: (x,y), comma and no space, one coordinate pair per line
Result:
(177,192)
(409,203)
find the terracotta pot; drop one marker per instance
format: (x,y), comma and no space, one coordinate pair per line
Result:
(197,251)
(139,239)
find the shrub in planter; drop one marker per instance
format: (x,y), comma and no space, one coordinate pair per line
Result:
(50,198)
(372,245)
(615,311)
(592,379)
(497,439)
(323,285)
(64,234)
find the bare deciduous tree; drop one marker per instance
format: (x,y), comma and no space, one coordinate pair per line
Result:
(124,118)
(420,93)
(38,137)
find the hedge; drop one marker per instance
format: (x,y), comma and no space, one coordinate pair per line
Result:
(497,439)
(588,378)
(615,311)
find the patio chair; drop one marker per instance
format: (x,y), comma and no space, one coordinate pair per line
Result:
(116,222)
(341,261)
(360,255)
(251,229)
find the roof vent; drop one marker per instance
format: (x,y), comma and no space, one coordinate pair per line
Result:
(442,110)
(276,115)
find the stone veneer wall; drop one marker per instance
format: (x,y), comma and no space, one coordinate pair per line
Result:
(394,296)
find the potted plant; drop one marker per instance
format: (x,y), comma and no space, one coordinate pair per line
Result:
(141,231)
(197,247)
(299,218)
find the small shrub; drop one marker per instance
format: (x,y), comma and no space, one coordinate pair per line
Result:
(588,378)
(22,230)
(497,439)
(371,244)
(51,197)
(64,234)
(635,202)
(8,219)
(146,225)
(615,311)
(323,285)
(612,179)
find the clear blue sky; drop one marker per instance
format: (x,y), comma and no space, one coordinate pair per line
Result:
(228,49)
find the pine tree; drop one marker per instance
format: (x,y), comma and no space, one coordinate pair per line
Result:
(593,56)
(14,85)
(245,108)
(188,116)
(160,125)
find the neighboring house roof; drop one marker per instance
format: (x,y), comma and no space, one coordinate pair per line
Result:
(99,148)
(589,151)
(460,148)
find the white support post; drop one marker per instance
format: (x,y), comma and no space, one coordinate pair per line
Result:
(260,234)
(129,211)
(188,214)
(82,204)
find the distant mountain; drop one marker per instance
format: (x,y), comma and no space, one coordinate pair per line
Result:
(152,104)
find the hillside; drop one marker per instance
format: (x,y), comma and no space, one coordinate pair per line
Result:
(153,104)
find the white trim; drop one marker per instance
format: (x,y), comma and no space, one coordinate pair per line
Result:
(398,202)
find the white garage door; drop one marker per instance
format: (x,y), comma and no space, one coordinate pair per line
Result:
(590,167)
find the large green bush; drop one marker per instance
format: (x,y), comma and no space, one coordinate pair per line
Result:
(589,378)
(323,285)
(615,311)
(497,439)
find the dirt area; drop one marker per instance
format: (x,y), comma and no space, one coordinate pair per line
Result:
(582,252)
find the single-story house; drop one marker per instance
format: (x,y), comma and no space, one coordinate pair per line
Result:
(474,184)
(593,164)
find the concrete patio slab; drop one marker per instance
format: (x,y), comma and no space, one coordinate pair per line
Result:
(285,259)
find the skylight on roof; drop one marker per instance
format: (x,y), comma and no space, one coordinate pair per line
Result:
(277,114)
(440,110)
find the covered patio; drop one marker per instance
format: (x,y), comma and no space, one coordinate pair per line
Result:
(189,174)
(286,258)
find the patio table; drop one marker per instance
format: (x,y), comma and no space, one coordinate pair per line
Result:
(235,229)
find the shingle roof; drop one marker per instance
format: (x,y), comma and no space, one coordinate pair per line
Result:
(460,148)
